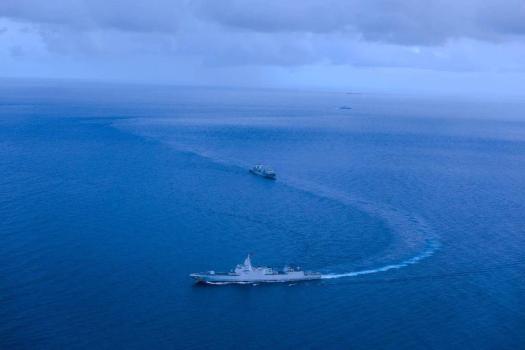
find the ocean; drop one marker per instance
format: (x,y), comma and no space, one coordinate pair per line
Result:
(412,207)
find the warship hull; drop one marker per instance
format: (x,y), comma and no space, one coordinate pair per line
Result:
(246,273)
(226,278)
(270,176)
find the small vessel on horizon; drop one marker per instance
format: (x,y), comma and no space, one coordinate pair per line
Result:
(246,273)
(263,171)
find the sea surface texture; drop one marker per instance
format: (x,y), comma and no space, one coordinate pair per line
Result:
(413,208)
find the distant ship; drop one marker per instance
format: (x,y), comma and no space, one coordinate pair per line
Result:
(264,172)
(246,273)
(345,107)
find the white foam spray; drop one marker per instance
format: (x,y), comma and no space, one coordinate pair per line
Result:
(413,234)
(411,261)
(412,231)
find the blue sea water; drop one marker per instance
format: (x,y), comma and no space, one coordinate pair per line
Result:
(412,208)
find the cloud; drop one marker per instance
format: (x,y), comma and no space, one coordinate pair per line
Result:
(138,16)
(404,22)
(191,37)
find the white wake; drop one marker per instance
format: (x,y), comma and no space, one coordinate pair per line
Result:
(411,232)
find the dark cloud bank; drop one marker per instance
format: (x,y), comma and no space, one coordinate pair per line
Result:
(409,22)
(445,35)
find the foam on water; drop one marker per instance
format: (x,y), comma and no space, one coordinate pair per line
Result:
(411,261)
(413,233)
(413,236)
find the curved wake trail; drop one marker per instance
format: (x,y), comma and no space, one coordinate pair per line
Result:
(414,238)
(413,234)
(405,263)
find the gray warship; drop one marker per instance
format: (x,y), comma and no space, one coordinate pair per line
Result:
(263,171)
(246,273)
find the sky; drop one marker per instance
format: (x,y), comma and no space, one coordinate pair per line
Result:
(447,46)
